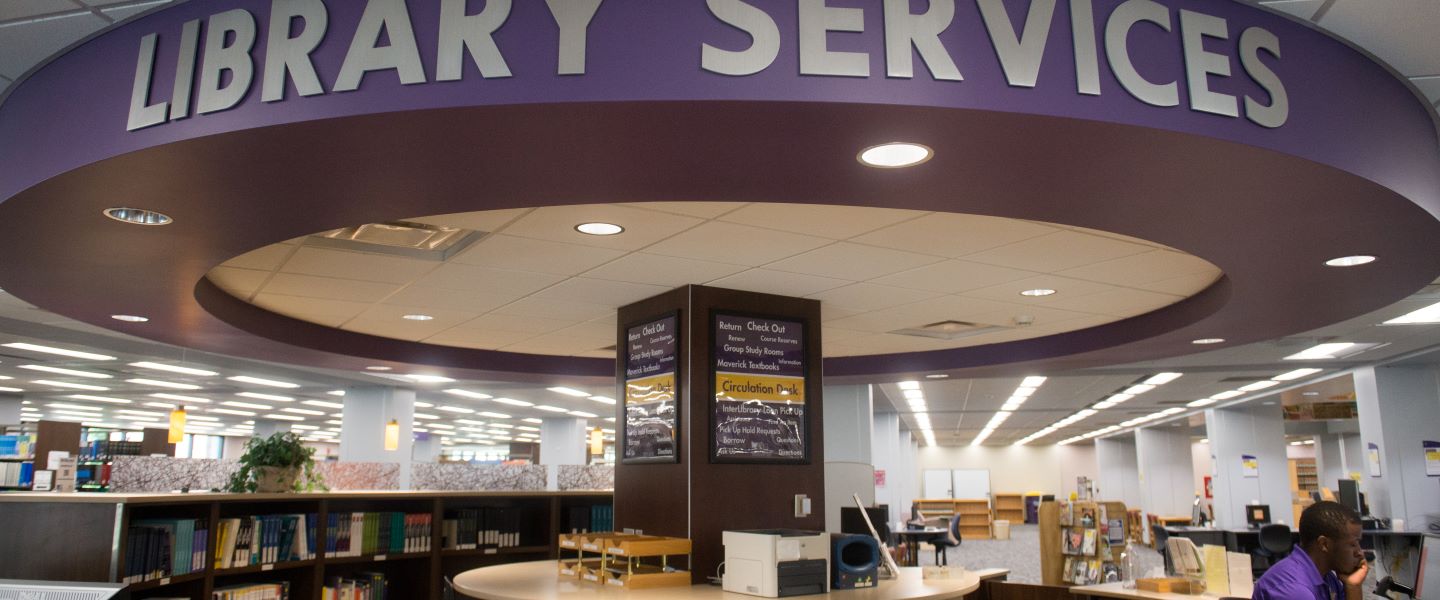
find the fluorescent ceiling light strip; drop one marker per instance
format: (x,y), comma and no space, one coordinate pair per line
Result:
(226,411)
(1162,378)
(73,406)
(583,414)
(1226,395)
(303,411)
(10,389)
(554,409)
(603,399)
(173,369)
(73,386)
(455,409)
(165,384)
(57,351)
(423,378)
(468,394)
(70,372)
(1023,392)
(264,382)
(1259,385)
(239,404)
(495,415)
(1321,351)
(1424,316)
(270,397)
(322,403)
(1138,389)
(513,402)
(1033,381)
(284,417)
(1296,374)
(569,392)
(178,398)
(909,385)
(101,399)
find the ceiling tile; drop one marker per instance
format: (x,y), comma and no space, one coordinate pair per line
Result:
(240,283)
(391,313)
(525,254)
(704,210)
(919,314)
(480,339)
(21,9)
(667,271)
(268,258)
(953,234)
(834,222)
(736,244)
(360,266)
(1399,32)
(24,46)
(515,323)
(830,312)
(555,344)
(1119,302)
(868,296)
(600,333)
(1304,9)
(330,313)
(547,308)
(129,9)
(642,227)
(503,282)
(855,262)
(1039,316)
(1117,236)
(486,220)
(953,276)
(1185,286)
(835,334)
(394,328)
(1057,252)
(1430,86)
(330,288)
(1147,267)
(427,298)
(777,282)
(596,291)
(1064,288)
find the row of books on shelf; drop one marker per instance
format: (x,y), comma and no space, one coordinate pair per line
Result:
(490,527)
(16,474)
(363,534)
(104,449)
(160,548)
(253,591)
(265,539)
(17,445)
(1081,571)
(365,586)
(597,517)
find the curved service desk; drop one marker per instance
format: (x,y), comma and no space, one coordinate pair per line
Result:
(539,580)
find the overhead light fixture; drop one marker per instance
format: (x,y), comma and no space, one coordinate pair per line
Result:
(165,384)
(11,389)
(1208,341)
(1296,374)
(1226,395)
(909,385)
(554,409)
(569,392)
(468,394)
(1424,316)
(281,417)
(73,386)
(1322,351)
(138,216)
(514,402)
(1033,381)
(1259,385)
(1023,392)
(131,318)
(601,229)
(1201,402)
(227,411)
(178,398)
(455,409)
(895,155)
(1162,378)
(377,368)
(340,393)
(1138,389)
(177,426)
(57,351)
(1038,292)
(415,317)
(62,405)
(303,411)
(270,397)
(913,394)
(264,382)
(70,372)
(532,420)
(322,403)
(582,414)
(424,378)
(937,376)
(603,399)
(238,404)
(174,369)
(1350,261)
(106,399)
(495,415)
(427,416)
(392,435)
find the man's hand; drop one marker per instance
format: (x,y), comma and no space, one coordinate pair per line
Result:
(1354,580)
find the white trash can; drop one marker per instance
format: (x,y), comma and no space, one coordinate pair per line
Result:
(1002,529)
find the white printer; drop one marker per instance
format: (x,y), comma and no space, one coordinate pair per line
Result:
(777,562)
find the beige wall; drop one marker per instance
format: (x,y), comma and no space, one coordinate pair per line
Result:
(1046,469)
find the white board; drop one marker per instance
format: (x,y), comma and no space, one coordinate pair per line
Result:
(970,484)
(937,484)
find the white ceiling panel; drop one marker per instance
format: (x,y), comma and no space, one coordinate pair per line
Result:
(469,301)
(479,339)
(1057,252)
(953,276)
(1119,302)
(505,282)
(704,210)
(598,291)
(1147,267)
(869,296)
(834,222)
(918,314)
(1187,285)
(855,262)
(601,334)
(391,314)
(1063,286)
(268,258)
(24,9)
(289,284)
(642,227)
(778,282)
(736,244)
(1399,32)
(485,220)
(953,235)
(359,266)
(1040,316)
(516,323)
(330,313)
(830,311)
(129,9)
(394,328)
(547,308)
(23,46)
(524,254)
(240,283)
(1430,86)
(667,271)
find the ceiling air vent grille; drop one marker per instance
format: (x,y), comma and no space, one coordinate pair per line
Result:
(950,330)
(400,238)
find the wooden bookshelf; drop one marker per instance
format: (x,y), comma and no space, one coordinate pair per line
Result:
(83,537)
(974,519)
(936,508)
(1010,507)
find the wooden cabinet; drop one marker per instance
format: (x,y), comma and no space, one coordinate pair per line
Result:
(974,519)
(1010,507)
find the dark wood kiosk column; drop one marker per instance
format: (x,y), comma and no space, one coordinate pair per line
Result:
(675,475)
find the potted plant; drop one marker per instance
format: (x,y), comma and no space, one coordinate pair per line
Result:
(277,464)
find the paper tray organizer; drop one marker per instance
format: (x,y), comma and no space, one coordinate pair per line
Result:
(623,560)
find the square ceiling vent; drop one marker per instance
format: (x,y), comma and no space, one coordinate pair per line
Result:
(400,238)
(950,330)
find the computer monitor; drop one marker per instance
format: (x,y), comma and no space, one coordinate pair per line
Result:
(1257,514)
(852,522)
(1350,494)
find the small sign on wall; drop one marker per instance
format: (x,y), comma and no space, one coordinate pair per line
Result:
(1432,458)
(1372,459)
(880,479)
(1250,465)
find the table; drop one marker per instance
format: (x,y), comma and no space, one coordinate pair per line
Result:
(1118,590)
(540,580)
(912,545)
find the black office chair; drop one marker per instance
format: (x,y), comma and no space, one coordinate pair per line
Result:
(1158,533)
(951,539)
(448,593)
(1275,544)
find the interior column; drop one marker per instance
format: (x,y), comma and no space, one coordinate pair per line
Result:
(564,442)
(362,431)
(1247,445)
(1399,413)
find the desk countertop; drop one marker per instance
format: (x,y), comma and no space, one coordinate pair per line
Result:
(540,580)
(1118,590)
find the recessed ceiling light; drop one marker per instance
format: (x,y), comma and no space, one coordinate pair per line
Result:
(131,318)
(238,404)
(468,394)
(412,318)
(165,384)
(58,351)
(1201,402)
(138,216)
(909,385)
(599,229)
(603,399)
(1310,393)
(174,369)
(495,415)
(1350,261)
(1208,341)
(551,408)
(1038,292)
(513,402)
(455,409)
(1138,389)
(377,368)
(270,397)
(1259,385)
(322,403)
(581,413)
(422,378)
(73,386)
(1296,374)
(1321,351)
(895,155)
(11,389)
(937,376)
(1227,395)
(284,417)
(569,392)
(1424,316)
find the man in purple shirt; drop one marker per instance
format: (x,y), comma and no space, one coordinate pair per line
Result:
(1327,564)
